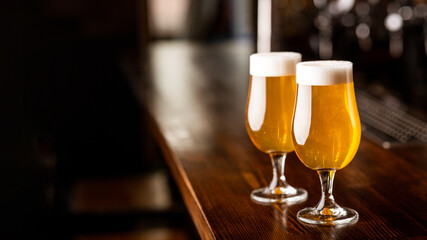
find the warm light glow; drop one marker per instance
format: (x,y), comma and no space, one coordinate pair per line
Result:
(420,10)
(393,22)
(393,7)
(406,12)
(168,17)
(362,8)
(362,31)
(319,3)
(340,6)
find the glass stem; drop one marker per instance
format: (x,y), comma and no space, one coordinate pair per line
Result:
(279,179)
(327,204)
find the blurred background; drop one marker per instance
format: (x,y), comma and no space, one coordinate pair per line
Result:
(77,159)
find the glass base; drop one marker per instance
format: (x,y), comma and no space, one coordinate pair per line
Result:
(328,216)
(289,195)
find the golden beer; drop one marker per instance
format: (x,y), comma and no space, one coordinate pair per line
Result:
(332,133)
(326,132)
(269,112)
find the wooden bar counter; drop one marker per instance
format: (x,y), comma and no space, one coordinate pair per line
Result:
(196,95)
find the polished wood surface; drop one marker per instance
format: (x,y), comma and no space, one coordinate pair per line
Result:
(196,95)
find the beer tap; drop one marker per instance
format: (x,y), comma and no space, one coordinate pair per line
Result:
(363,11)
(328,10)
(394,24)
(420,13)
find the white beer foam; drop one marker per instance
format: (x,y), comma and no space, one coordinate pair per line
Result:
(323,73)
(273,64)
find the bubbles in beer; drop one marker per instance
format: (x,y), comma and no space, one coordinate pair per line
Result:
(326,126)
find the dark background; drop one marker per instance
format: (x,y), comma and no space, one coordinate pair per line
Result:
(68,112)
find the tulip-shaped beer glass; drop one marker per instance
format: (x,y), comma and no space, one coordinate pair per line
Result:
(269,111)
(326,132)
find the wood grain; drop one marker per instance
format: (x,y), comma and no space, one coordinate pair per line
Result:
(196,96)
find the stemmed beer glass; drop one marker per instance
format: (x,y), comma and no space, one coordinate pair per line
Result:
(326,132)
(269,111)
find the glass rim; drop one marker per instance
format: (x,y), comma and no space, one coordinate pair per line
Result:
(273,64)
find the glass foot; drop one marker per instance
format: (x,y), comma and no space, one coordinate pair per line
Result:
(328,216)
(289,195)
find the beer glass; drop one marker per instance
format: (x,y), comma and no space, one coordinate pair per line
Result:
(326,132)
(269,111)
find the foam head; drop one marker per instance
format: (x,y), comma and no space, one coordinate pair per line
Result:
(322,73)
(273,64)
